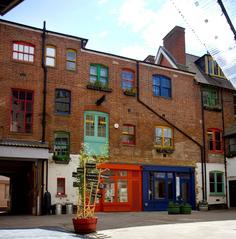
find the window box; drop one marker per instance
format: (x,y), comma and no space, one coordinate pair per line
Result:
(130,92)
(163,150)
(61,159)
(217,108)
(99,87)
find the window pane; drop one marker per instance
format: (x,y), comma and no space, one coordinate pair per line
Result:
(219,188)
(122,190)
(89,131)
(159,187)
(103,72)
(50,51)
(70,65)
(71,55)
(167,133)
(122,173)
(61,144)
(50,61)
(212,187)
(170,190)
(165,92)
(101,126)
(20,56)
(109,191)
(21,47)
(26,49)
(92,79)
(31,50)
(15,47)
(93,70)
(159,132)
(212,177)
(219,178)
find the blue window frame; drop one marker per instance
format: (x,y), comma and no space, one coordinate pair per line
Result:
(161,86)
(96,132)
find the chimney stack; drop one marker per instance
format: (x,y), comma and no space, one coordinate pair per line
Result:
(174,42)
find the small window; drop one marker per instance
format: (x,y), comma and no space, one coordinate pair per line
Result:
(23,51)
(211,97)
(163,137)
(22,111)
(62,101)
(98,75)
(127,77)
(161,86)
(216,180)
(213,68)
(61,145)
(128,134)
(215,144)
(50,56)
(71,60)
(61,186)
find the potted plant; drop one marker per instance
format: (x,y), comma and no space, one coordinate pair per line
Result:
(130,91)
(87,182)
(203,205)
(185,208)
(173,208)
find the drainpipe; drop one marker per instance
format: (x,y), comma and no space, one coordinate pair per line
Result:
(168,122)
(44,94)
(203,161)
(224,145)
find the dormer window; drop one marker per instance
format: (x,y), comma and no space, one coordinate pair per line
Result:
(212,68)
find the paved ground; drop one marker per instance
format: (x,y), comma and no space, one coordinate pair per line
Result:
(215,224)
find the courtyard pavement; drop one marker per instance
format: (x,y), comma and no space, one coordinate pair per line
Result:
(217,224)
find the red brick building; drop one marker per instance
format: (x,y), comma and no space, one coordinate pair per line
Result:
(57,94)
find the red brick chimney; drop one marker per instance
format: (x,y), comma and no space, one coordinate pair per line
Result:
(174,42)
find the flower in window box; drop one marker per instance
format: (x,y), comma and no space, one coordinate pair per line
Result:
(165,150)
(130,92)
(63,159)
(97,85)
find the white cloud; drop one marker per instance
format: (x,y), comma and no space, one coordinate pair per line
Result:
(135,51)
(153,25)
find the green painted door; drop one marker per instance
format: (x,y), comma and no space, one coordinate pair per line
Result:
(96,132)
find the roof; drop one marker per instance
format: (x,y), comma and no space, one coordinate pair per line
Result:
(7,5)
(162,51)
(150,59)
(23,143)
(202,78)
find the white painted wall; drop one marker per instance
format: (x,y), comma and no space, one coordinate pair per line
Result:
(62,171)
(231,171)
(209,167)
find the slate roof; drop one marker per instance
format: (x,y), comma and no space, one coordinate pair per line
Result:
(202,78)
(23,143)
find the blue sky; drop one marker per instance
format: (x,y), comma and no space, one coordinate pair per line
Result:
(131,28)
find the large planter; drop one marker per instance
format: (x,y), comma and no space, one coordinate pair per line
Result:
(85,225)
(185,209)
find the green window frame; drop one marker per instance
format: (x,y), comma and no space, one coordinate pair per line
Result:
(216,181)
(164,137)
(61,145)
(96,132)
(98,75)
(211,97)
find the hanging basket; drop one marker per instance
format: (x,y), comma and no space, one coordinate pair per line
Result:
(85,225)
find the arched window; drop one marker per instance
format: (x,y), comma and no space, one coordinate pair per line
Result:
(50,56)
(23,51)
(71,60)
(127,79)
(161,86)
